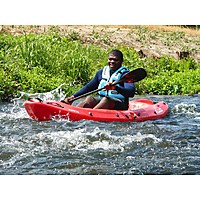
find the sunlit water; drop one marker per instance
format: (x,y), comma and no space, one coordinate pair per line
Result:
(166,146)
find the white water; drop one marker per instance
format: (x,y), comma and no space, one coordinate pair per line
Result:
(165,146)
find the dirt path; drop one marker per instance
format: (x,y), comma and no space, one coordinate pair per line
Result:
(152,41)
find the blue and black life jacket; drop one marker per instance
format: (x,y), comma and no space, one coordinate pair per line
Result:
(116,76)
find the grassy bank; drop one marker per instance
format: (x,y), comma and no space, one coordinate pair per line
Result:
(39,62)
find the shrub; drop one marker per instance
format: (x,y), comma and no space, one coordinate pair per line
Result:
(41,62)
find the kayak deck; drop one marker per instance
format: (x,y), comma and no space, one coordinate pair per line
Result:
(139,110)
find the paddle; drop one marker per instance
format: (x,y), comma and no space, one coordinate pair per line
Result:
(130,77)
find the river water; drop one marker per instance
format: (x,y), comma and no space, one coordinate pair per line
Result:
(166,146)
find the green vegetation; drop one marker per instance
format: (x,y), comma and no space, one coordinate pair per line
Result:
(41,62)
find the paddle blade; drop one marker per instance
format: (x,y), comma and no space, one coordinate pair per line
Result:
(134,76)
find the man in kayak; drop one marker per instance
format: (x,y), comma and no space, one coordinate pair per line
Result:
(115,97)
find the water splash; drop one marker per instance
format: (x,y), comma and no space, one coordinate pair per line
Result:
(15,109)
(81,140)
(189,110)
(55,94)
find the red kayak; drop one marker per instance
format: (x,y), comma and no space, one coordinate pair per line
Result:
(139,110)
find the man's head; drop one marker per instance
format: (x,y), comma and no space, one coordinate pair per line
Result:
(115,59)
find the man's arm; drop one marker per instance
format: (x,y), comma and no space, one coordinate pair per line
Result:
(92,85)
(128,90)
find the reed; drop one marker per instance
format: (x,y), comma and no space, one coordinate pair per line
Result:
(39,62)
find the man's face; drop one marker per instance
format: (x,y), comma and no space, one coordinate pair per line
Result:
(114,62)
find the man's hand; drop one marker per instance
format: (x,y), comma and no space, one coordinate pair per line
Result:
(109,86)
(67,100)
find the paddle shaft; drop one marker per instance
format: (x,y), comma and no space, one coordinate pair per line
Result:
(91,92)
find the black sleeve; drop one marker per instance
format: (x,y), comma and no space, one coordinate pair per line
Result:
(92,85)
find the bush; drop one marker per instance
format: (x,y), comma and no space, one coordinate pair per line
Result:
(41,62)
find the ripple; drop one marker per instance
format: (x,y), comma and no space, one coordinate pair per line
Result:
(165,146)
(186,110)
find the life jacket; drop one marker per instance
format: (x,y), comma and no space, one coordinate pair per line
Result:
(116,76)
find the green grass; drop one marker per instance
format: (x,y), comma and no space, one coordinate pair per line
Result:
(41,62)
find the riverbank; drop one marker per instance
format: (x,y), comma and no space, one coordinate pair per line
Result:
(40,58)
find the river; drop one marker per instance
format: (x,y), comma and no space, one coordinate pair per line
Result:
(168,146)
